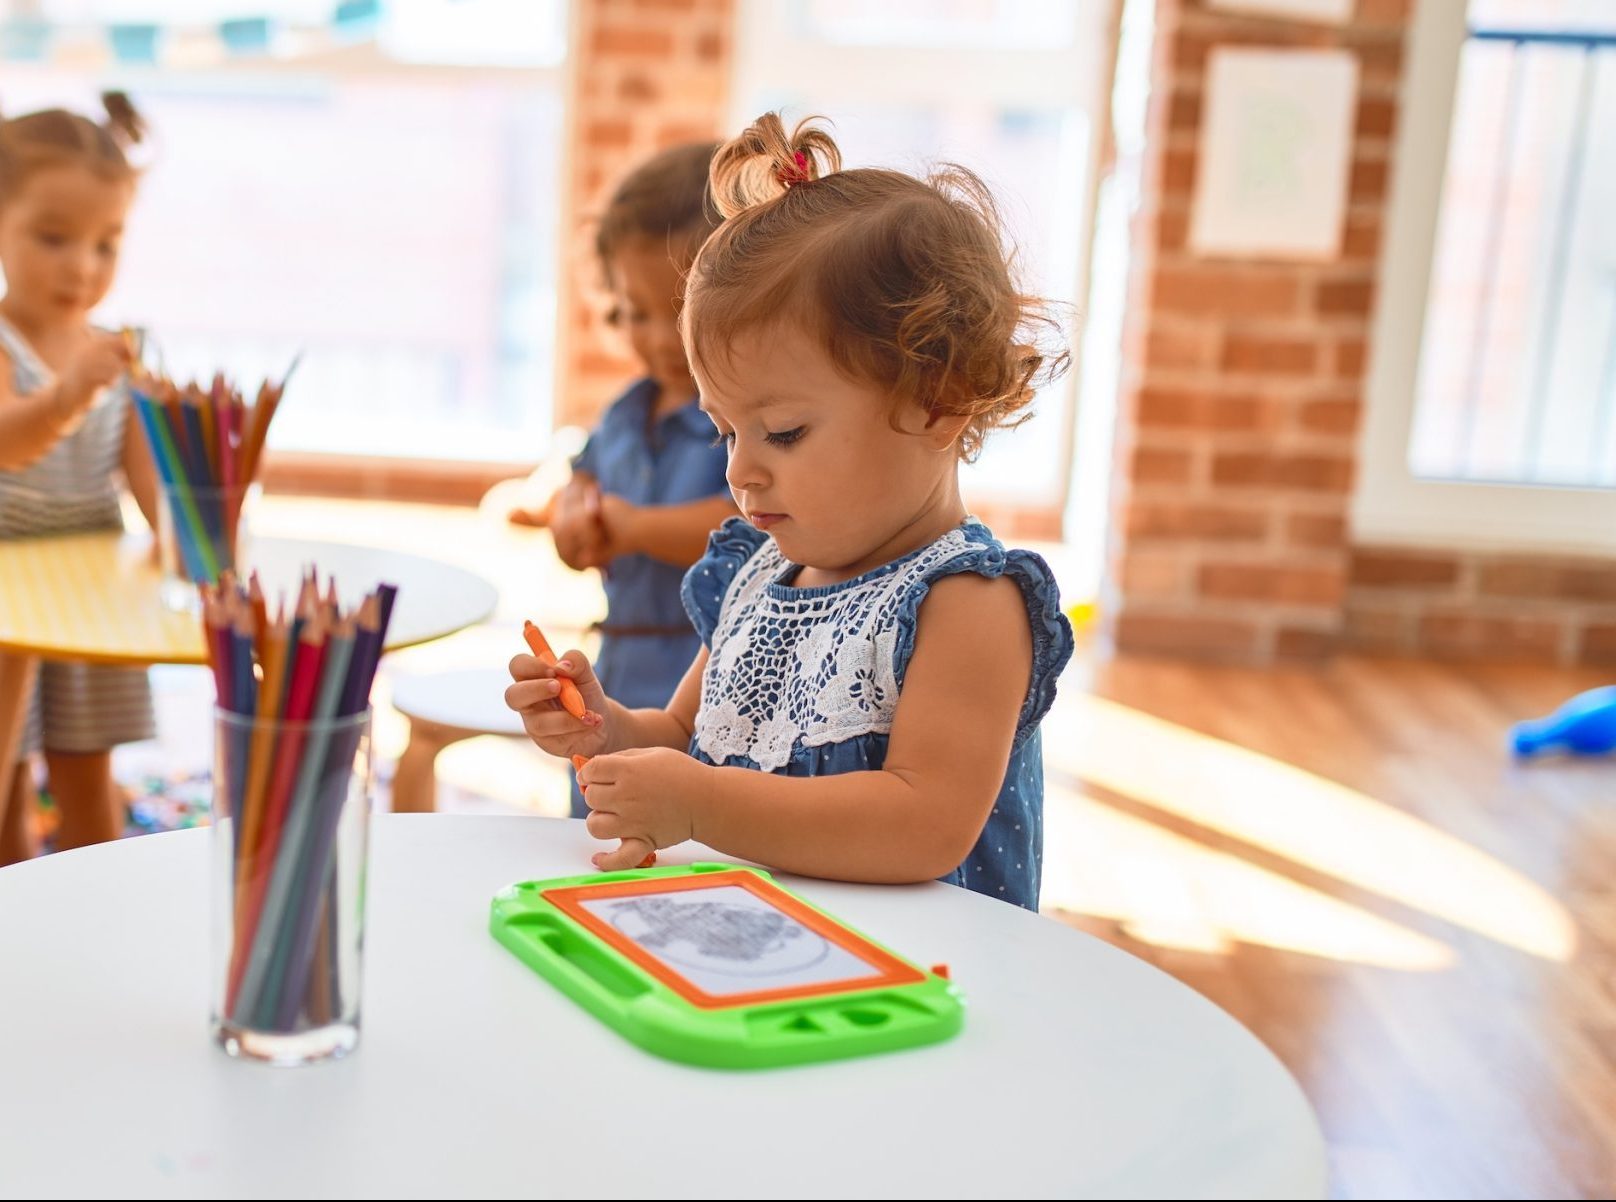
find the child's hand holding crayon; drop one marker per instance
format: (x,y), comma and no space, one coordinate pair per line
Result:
(560,701)
(556,717)
(97,364)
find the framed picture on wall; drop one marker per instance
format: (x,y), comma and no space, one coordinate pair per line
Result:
(1335,12)
(1275,153)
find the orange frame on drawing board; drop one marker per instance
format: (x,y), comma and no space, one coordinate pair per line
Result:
(885,969)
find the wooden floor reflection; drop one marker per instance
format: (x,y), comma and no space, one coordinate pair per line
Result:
(1348,861)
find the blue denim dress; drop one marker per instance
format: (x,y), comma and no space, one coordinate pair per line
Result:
(805,681)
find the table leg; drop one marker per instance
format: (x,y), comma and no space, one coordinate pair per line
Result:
(18,674)
(415,781)
(19,825)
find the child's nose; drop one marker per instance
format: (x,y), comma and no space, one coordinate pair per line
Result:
(82,264)
(744,473)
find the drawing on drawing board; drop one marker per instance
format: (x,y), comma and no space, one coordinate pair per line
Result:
(728,940)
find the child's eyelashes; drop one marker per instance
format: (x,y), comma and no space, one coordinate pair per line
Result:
(617,317)
(782,438)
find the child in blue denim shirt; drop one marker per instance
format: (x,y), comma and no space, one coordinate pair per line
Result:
(649,486)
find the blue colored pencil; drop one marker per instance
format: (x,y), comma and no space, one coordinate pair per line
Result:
(163,455)
(328,814)
(200,474)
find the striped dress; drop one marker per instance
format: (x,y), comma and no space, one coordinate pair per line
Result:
(78,707)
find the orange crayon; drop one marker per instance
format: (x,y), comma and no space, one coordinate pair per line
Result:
(571,699)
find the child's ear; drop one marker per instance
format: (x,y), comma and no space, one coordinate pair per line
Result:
(943,430)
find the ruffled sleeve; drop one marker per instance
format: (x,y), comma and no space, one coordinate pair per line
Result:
(1052,640)
(728,548)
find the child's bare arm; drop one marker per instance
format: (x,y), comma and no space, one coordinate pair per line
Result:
(674,534)
(913,820)
(31,425)
(140,471)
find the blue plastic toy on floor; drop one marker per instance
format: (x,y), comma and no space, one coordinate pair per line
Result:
(1585,725)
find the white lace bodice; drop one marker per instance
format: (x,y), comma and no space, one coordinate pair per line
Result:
(810,666)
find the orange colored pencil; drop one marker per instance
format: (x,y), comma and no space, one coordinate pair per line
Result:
(571,699)
(252,806)
(260,614)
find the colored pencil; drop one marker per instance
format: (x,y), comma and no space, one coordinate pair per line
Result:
(287,779)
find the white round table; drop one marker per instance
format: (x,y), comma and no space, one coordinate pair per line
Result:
(434,598)
(469,700)
(1081,1070)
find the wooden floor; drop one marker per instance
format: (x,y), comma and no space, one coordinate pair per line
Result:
(1348,861)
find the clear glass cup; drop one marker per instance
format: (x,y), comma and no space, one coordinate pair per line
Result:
(200,533)
(292,804)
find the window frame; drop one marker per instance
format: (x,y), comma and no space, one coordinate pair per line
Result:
(1391,505)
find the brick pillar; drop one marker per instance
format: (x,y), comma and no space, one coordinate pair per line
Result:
(1243,378)
(644,75)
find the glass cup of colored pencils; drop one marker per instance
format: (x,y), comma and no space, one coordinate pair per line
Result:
(207,444)
(293,787)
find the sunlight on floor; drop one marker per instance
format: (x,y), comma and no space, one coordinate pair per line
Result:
(1173,892)
(1282,810)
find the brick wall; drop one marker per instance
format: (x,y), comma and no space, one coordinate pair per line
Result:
(645,75)
(1243,379)
(1476,605)
(1242,384)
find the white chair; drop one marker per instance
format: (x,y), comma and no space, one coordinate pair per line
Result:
(444,708)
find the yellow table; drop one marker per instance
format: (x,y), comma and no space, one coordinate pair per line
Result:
(94,597)
(90,597)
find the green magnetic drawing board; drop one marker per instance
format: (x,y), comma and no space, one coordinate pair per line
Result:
(715,964)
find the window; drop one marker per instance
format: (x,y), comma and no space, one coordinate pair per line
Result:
(385,206)
(1492,393)
(1517,375)
(1011,89)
